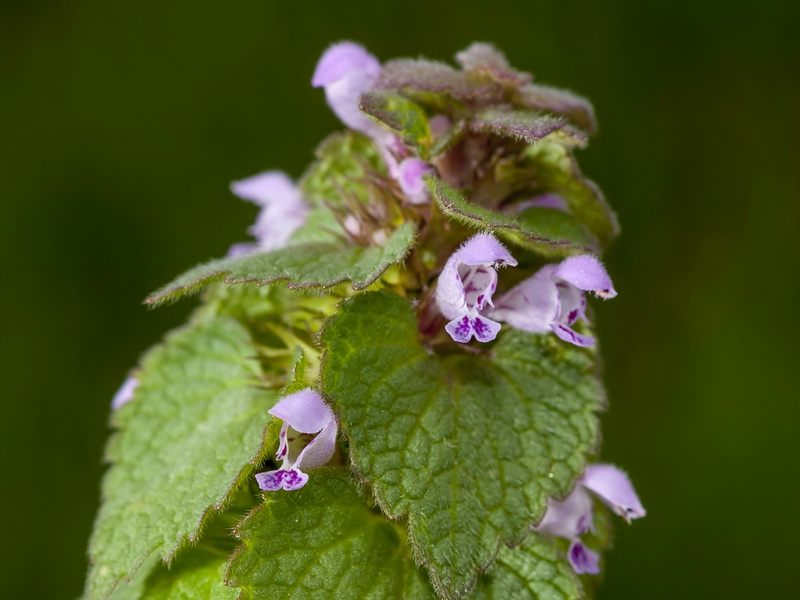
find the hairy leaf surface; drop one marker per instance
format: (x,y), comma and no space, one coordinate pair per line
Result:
(547,236)
(534,571)
(402,115)
(191,435)
(544,97)
(321,542)
(466,446)
(199,573)
(312,265)
(526,125)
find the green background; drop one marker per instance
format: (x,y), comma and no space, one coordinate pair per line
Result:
(122,123)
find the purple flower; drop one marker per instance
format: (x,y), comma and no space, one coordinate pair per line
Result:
(466,285)
(553,299)
(410,175)
(304,414)
(125,393)
(282,210)
(346,70)
(573,516)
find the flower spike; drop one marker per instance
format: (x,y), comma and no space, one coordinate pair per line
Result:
(304,414)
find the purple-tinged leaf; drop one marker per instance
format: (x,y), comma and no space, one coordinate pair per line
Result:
(421,75)
(563,102)
(482,58)
(525,125)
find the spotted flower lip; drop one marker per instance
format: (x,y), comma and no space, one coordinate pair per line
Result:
(283,210)
(304,413)
(553,298)
(466,286)
(573,516)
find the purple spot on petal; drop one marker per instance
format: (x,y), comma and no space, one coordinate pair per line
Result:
(481,329)
(480,301)
(582,559)
(294,480)
(464,327)
(573,315)
(568,331)
(272,481)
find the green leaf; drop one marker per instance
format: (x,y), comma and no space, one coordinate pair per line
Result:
(548,241)
(544,97)
(312,265)
(193,433)
(526,125)
(401,114)
(321,542)
(556,225)
(320,226)
(534,571)
(199,573)
(411,76)
(467,446)
(556,171)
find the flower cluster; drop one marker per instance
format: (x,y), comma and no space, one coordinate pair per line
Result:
(552,300)
(373,293)
(573,516)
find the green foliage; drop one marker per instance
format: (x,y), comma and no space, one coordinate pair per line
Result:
(544,97)
(539,235)
(193,433)
(525,125)
(466,446)
(534,571)
(555,170)
(197,573)
(323,542)
(402,115)
(556,225)
(455,448)
(312,265)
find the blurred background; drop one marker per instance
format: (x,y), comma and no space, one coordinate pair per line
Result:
(122,123)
